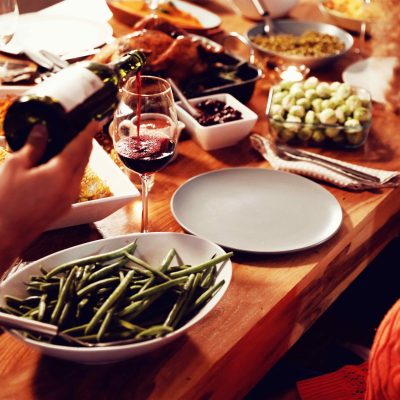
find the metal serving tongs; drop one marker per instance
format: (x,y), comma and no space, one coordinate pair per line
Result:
(262,9)
(14,323)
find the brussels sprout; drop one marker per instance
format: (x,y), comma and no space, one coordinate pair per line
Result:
(362,114)
(340,115)
(331,132)
(288,101)
(276,109)
(318,136)
(297,111)
(339,138)
(323,90)
(305,103)
(334,86)
(365,98)
(344,91)
(316,105)
(345,109)
(328,116)
(310,94)
(278,118)
(311,117)
(285,85)
(297,90)
(311,83)
(305,133)
(355,138)
(293,123)
(326,104)
(336,101)
(278,97)
(353,102)
(286,134)
(352,125)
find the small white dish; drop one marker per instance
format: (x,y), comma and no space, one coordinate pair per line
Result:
(152,247)
(257,210)
(221,135)
(373,74)
(123,192)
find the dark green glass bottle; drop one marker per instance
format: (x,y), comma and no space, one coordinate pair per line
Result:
(68,100)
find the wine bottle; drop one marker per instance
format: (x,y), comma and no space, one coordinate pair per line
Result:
(68,100)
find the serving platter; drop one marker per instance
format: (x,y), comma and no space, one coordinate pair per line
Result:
(257,210)
(124,11)
(61,35)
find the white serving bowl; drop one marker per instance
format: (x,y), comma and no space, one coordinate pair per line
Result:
(152,247)
(221,135)
(276,8)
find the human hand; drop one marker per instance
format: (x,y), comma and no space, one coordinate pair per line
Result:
(32,197)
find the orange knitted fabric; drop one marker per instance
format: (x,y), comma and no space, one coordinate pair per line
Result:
(381,376)
(347,383)
(384,364)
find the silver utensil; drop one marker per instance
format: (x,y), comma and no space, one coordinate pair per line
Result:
(55,59)
(262,9)
(11,322)
(39,59)
(303,155)
(189,108)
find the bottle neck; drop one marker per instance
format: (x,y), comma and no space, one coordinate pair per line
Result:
(130,64)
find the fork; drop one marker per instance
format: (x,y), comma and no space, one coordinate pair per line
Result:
(303,155)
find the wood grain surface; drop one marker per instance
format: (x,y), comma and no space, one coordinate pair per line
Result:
(272,300)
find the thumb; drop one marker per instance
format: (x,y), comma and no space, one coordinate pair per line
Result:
(35,146)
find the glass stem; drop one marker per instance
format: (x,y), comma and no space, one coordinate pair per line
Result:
(145,179)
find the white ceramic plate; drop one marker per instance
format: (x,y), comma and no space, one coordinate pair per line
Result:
(152,247)
(373,74)
(257,210)
(58,34)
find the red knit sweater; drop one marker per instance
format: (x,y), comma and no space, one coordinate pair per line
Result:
(379,379)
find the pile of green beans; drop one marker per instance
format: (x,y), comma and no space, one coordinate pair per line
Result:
(116,296)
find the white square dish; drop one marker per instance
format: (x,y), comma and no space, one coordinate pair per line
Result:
(122,188)
(221,135)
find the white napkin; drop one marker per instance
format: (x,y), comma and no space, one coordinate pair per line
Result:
(266,147)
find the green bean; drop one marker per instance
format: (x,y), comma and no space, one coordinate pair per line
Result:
(105,271)
(154,331)
(14,302)
(201,267)
(105,324)
(42,307)
(158,288)
(129,326)
(207,295)
(64,314)
(12,310)
(114,297)
(208,277)
(63,294)
(143,264)
(91,259)
(75,329)
(96,285)
(167,260)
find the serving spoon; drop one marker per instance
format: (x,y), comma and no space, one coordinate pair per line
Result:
(262,9)
(193,111)
(13,322)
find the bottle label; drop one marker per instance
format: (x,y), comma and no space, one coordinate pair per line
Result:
(70,87)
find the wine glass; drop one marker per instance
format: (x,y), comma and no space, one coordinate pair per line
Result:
(8,24)
(144,130)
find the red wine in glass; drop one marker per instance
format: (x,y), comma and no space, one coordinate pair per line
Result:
(147,155)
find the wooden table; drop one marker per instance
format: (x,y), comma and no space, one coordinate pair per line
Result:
(272,300)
